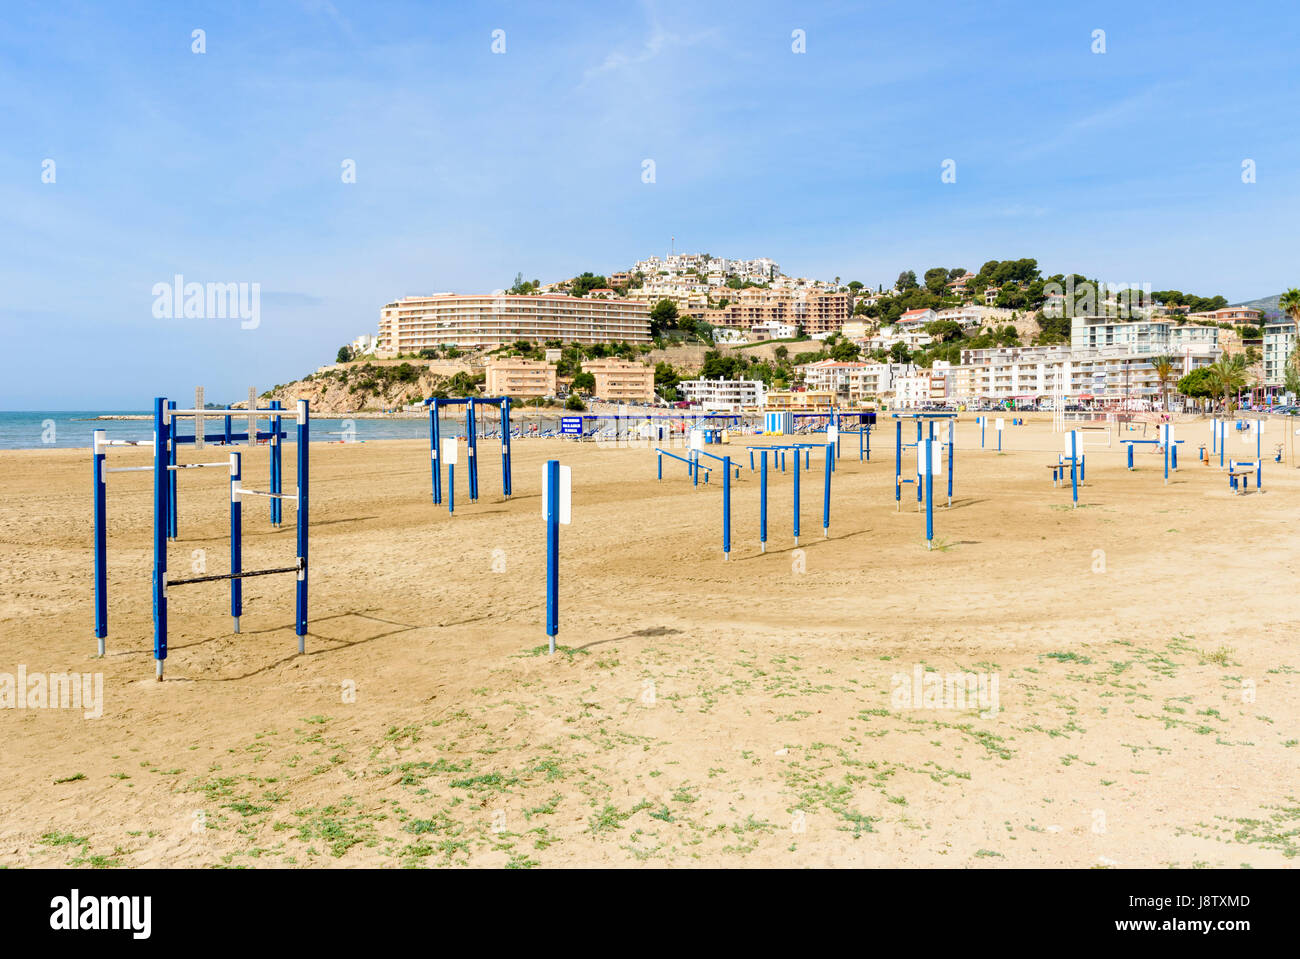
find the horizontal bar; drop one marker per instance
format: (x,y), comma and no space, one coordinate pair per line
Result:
(222,437)
(257,492)
(129,469)
(198,466)
(260,413)
(221,576)
(126,443)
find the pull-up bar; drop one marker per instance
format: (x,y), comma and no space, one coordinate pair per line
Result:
(471,433)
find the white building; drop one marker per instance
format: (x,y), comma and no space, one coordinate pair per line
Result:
(728,396)
(772,330)
(1279,341)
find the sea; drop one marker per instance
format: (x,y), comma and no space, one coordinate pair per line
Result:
(72,429)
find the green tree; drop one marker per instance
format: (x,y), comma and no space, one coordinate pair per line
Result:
(906,281)
(574,402)
(663,316)
(584,381)
(1197,384)
(1164,370)
(1228,376)
(344,355)
(1289,303)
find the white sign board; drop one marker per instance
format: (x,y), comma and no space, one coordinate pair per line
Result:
(1166,433)
(566,493)
(697,439)
(449,451)
(928,457)
(832,433)
(1000,423)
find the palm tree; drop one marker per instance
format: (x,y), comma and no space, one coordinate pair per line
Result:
(1289,303)
(1164,369)
(1228,375)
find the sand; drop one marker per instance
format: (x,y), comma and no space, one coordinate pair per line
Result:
(741,713)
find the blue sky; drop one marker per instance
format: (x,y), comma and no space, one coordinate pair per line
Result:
(471,166)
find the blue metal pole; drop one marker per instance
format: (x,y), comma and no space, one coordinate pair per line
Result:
(726,507)
(762,504)
(435,441)
(929,492)
(277,468)
(660,458)
(826,495)
(505,446)
(236,547)
(161,441)
(471,433)
(173,519)
(796,497)
(898,464)
(101,542)
(552,550)
(451,487)
(225,441)
(304,437)
(1167,445)
(952,455)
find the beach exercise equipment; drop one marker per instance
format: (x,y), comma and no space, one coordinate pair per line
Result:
(899,446)
(795,517)
(471,403)
(1076,458)
(1239,474)
(693,467)
(164,469)
(928,454)
(1166,444)
(557,508)
(100,445)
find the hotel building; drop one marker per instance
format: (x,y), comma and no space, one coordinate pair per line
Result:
(416,322)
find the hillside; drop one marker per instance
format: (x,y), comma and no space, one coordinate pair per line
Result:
(1268,306)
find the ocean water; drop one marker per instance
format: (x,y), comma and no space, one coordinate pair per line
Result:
(71,429)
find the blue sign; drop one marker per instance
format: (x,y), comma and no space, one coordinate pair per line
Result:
(571,425)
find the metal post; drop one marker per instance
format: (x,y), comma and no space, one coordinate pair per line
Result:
(161,484)
(277,469)
(762,505)
(236,530)
(173,519)
(726,507)
(101,540)
(552,551)
(929,492)
(304,437)
(434,444)
(952,457)
(796,497)
(471,435)
(898,465)
(826,495)
(505,446)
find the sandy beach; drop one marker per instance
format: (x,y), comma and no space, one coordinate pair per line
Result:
(699,712)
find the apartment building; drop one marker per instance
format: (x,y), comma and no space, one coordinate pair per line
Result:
(1142,337)
(1237,315)
(819,312)
(621,381)
(1279,342)
(917,317)
(1027,374)
(799,401)
(520,378)
(855,383)
(447,319)
(729,396)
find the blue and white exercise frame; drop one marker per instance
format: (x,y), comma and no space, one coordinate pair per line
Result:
(165,442)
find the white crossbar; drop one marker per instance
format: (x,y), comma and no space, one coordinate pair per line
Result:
(257,492)
(287,414)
